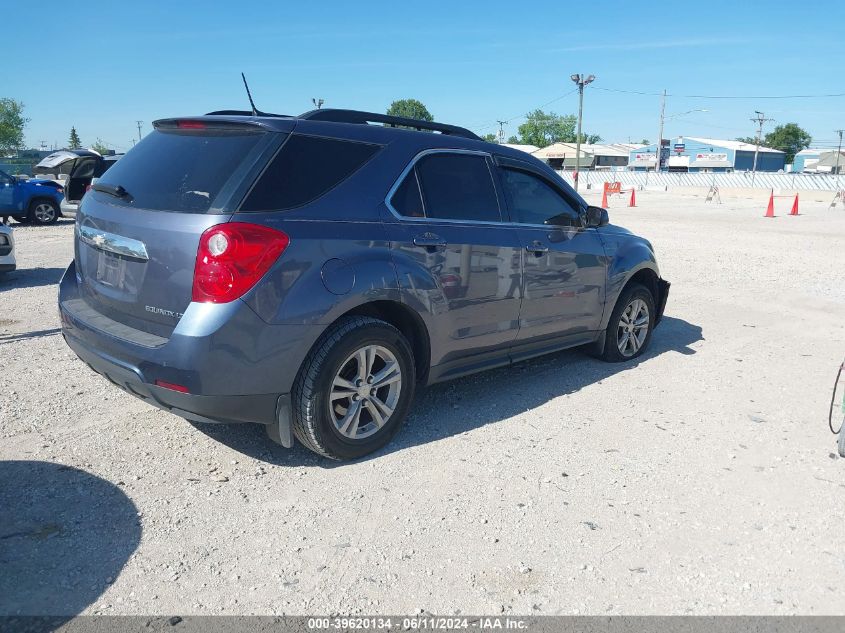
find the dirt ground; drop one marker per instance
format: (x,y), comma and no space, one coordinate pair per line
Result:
(701,479)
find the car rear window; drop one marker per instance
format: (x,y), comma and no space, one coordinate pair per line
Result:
(181,171)
(305,168)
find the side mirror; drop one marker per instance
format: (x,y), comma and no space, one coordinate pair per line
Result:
(596,217)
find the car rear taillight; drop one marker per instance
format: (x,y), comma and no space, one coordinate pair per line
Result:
(190,125)
(232,257)
(87,188)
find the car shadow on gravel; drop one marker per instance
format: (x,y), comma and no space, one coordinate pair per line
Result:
(65,534)
(455,407)
(30,278)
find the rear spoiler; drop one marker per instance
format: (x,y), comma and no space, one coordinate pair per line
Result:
(202,123)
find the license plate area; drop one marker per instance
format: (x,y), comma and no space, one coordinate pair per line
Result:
(111,270)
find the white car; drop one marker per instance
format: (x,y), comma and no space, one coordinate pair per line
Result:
(81,168)
(7,249)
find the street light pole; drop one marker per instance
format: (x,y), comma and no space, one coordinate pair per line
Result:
(318,102)
(581,81)
(659,152)
(838,154)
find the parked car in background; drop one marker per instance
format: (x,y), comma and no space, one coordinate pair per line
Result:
(7,249)
(306,273)
(35,200)
(76,169)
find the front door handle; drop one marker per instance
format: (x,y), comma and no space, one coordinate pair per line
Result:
(537,247)
(429,240)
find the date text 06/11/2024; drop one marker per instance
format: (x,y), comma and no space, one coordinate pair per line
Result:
(431,623)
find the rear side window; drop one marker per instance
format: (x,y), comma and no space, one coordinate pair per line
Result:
(533,201)
(407,199)
(305,168)
(457,187)
(180,171)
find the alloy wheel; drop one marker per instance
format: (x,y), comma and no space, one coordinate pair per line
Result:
(365,392)
(633,328)
(44,213)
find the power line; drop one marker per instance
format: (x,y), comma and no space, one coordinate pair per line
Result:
(660,94)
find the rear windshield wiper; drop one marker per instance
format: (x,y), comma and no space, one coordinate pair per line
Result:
(113,190)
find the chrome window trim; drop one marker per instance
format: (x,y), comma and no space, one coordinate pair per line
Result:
(390,193)
(105,241)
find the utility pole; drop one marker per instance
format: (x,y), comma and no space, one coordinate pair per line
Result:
(318,102)
(659,153)
(760,119)
(140,123)
(581,81)
(838,154)
(501,131)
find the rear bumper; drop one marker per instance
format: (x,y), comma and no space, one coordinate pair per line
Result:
(7,268)
(259,408)
(236,367)
(69,209)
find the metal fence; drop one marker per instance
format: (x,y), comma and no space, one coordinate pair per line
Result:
(14,167)
(762,180)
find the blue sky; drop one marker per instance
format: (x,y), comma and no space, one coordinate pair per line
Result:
(105,66)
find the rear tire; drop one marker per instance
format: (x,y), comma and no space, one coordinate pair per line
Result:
(43,212)
(354,389)
(631,324)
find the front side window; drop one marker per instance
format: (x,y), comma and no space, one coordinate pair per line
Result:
(533,201)
(457,187)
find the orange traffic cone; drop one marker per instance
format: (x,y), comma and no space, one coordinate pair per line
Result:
(604,197)
(770,210)
(633,201)
(794,206)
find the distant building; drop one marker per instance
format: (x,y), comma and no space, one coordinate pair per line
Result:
(806,159)
(830,163)
(593,155)
(696,154)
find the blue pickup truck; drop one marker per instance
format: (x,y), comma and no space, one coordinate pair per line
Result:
(35,200)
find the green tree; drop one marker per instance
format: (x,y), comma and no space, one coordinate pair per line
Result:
(73,141)
(490,137)
(12,124)
(644,142)
(512,140)
(411,109)
(788,138)
(100,147)
(543,129)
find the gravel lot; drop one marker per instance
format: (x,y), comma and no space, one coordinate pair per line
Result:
(701,479)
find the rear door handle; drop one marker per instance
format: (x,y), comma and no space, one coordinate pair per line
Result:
(429,240)
(537,247)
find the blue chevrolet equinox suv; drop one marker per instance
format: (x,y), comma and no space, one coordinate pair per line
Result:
(308,273)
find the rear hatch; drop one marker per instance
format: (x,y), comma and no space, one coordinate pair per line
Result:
(138,229)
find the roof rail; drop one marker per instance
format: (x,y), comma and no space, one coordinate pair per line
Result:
(356,116)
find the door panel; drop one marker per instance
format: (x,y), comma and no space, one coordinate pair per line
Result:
(465,278)
(564,281)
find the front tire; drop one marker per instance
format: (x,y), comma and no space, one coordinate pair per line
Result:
(354,389)
(43,212)
(631,325)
